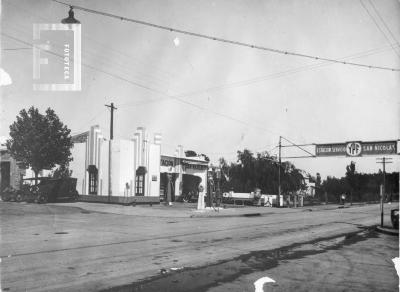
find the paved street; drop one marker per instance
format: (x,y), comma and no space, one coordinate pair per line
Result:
(92,247)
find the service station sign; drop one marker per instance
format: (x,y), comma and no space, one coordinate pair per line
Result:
(357,148)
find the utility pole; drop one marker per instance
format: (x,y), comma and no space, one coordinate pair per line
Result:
(112,107)
(279,173)
(280,160)
(383,160)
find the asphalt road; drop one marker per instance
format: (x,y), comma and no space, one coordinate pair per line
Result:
(66,248)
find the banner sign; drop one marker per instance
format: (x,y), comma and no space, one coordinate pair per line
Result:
(170,164)
(357,148)
(194,165)
(167,161)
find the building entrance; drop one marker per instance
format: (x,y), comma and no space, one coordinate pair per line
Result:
(190,187)
(5,178)
(165,179)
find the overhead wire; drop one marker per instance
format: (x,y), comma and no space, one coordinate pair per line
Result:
(383,21)
(152,89)
(236,84)
(378,26)
(87,56)
(90,66)
(258,79)
(279,74)
(298,146)
(223,40)
(157,74)
(172,97)
(15,49)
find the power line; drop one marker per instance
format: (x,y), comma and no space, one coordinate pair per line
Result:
(309,144)
(16,49)
(383,21)
(154,90)
(90,66)
(378,26)
(243,82)
(127,58)
(279,74)
(214,38)
(298,146)
(260,79)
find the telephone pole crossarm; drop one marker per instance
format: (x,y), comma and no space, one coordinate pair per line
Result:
(112,107)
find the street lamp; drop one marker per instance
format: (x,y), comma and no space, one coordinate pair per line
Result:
(70,19)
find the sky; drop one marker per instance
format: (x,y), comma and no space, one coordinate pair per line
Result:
(229,97)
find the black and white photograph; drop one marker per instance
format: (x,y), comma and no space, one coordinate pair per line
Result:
(199,145)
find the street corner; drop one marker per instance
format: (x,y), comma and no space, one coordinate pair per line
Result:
(387,230)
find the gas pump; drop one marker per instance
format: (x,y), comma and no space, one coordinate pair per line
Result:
(210,189)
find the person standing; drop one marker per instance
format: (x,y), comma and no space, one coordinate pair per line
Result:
(343,198)
(169,190)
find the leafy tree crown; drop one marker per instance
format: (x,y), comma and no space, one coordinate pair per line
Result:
(40,141)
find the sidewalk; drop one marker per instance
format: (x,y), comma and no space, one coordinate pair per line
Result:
(188,210)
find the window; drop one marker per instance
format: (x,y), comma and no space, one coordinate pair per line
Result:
(140,181)
(93,175)
(139,185)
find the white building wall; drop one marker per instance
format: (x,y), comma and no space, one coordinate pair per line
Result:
(103,169)
(99,163)
(140,135)
(154,170)
(126,165)
(115,167)
(78,164)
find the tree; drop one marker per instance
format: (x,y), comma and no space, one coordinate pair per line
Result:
(317,182)
(251,172)
(190,153)
(335,187)
(205,157)
(62,171)
(40,141)
(350,176)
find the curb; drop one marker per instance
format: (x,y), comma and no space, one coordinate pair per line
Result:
(225,215)
(386,230)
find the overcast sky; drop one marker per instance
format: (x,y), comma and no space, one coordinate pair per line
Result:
(235,97)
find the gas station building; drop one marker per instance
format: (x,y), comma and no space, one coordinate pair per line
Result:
(139,172)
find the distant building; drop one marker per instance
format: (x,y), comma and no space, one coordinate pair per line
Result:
(310,185)
(11,174)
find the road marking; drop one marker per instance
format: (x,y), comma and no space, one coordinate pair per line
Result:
(260,283)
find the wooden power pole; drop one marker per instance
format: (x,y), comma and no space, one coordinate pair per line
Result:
(279,173)
(112,107)
(384,161)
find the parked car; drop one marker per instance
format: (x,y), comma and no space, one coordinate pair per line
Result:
(394,216)
(47,190)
